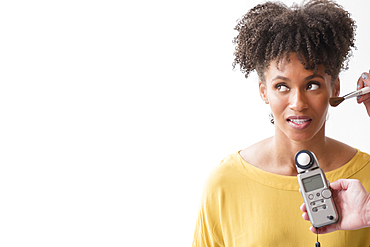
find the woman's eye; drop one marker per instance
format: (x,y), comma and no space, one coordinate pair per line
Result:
(313,86)
(282,88)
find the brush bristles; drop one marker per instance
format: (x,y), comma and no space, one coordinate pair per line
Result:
(335,101)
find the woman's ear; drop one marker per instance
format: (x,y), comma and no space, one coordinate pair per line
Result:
(336,88)
(263,92)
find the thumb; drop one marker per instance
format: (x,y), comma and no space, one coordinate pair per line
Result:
(341,184)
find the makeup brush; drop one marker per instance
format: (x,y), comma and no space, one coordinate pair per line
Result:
(335,101)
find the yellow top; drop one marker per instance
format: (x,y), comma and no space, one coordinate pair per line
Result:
(244,206)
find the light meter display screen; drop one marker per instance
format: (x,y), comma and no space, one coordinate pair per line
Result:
(312,183)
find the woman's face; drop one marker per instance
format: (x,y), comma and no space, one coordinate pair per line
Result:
(298,99)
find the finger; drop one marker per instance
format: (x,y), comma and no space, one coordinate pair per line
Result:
(366,98)
(323,230)
(341,184)
(358,87)
(366,79)
(337,185)
(303,208)
(313,229)
(363,81)
(344,184)
(305,216)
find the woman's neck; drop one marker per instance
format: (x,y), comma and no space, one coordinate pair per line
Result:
(276,154)
(330,153)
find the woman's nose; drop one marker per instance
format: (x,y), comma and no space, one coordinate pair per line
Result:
(298,102)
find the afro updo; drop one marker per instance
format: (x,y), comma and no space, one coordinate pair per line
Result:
(319,31)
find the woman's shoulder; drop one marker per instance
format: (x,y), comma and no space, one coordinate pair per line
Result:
(226,168)
(339,146)
(339,154)
(356,166)
(227,174)
(222,177)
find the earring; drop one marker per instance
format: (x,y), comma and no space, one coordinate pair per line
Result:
(327,116)
(272,118)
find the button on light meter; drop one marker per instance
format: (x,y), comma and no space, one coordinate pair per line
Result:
(326,193)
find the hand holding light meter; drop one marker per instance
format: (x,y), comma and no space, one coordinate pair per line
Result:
(315,190)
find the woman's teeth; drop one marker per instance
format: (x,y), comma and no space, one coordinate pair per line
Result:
(299,121)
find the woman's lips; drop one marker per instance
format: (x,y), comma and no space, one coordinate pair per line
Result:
(299,122)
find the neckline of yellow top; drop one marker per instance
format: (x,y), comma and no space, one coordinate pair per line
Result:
(290,182)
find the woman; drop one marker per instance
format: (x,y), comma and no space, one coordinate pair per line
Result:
(252,197)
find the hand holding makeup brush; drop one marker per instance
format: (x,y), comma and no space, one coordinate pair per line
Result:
(362,82)
(361,90)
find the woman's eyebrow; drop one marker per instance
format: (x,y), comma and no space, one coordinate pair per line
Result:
(279,77)
(314,76)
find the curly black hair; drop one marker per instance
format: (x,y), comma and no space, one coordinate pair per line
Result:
(319,31)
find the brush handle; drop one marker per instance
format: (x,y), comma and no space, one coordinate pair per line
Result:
(362,91)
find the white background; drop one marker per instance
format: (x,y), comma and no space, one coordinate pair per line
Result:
(113,113)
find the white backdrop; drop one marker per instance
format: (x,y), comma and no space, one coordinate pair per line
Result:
(113,114)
